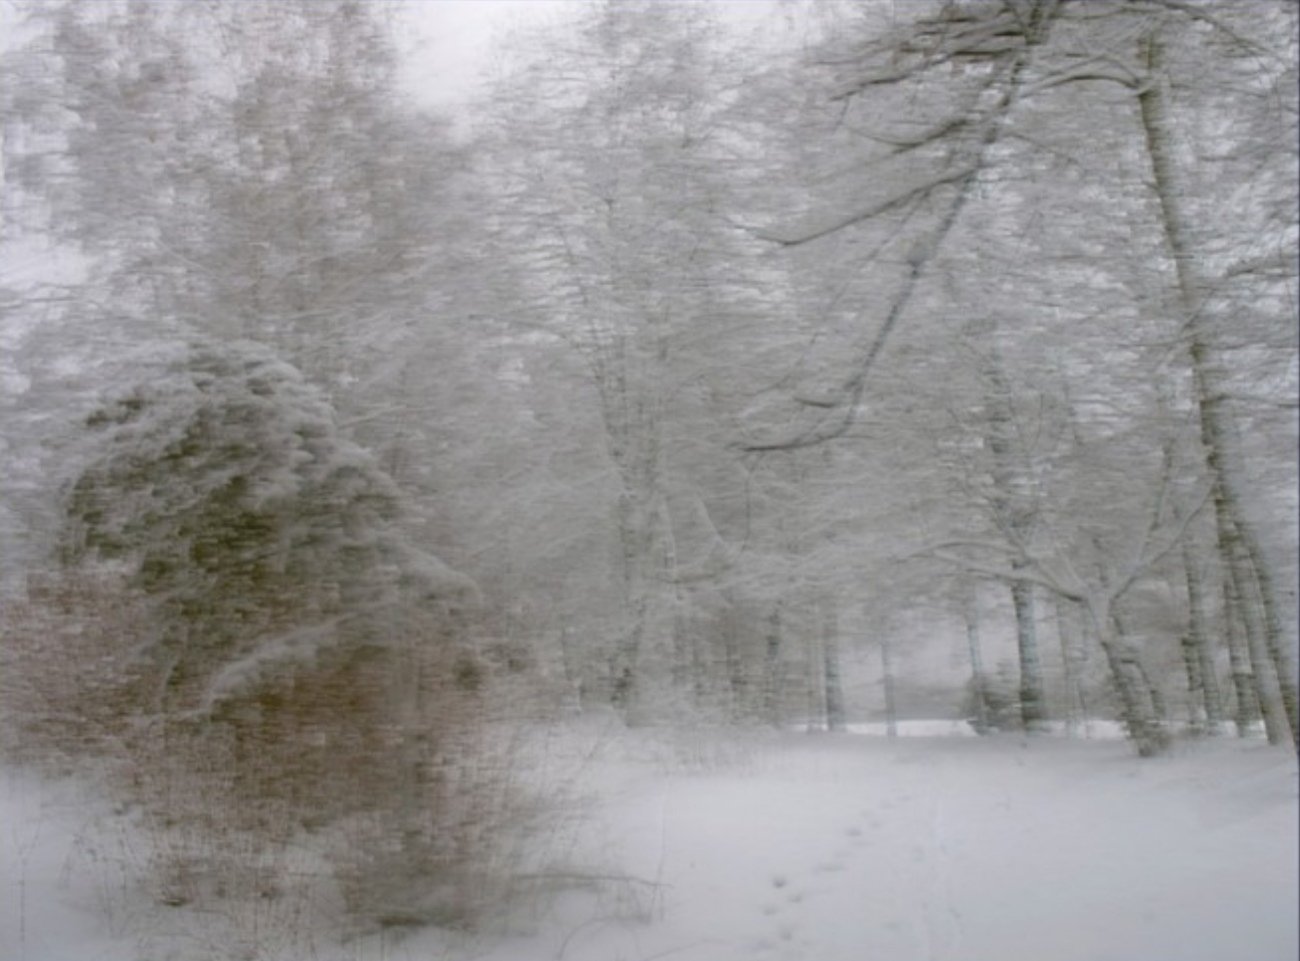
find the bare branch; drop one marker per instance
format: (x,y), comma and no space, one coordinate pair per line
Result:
(1080,75)
(1032,575)
(1199,13)
(1009,78)
(1147,560)
(933,135)
(898,200)
(1274,261)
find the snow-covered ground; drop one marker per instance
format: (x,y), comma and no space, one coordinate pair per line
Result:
(698,847)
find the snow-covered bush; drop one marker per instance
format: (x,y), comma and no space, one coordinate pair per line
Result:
(290,661)
(65,689)
(263,536)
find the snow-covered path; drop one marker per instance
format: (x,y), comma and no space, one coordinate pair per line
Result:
(841,848)
(847,848)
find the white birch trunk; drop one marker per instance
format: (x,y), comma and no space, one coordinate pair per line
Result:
(1238,545)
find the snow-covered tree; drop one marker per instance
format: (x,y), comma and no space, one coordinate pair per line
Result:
(263,536)
(967,142)
(291,658)
(252,170)
(607,153)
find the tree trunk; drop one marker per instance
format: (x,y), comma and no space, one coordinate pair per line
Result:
(1267,686)
(574,677)
(1074,704)
(891,705)
(1033,709)
(1202,675)
(1140,709)
(772,669)
(737,687)
(1238,545)
(644,663)
(624,663)
(1273,640)
(833,683)
(1197,720)
(816,688)
(687,667)
(1015,515)
(1246,709)
(978,681)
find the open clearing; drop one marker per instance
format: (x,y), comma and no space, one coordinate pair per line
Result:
(698,847)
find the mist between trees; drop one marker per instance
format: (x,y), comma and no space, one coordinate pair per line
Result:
(942,363)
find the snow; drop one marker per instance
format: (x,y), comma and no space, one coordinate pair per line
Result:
(706,846)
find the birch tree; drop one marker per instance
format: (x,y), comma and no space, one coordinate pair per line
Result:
(605,165)
(1249,580)
(1000,138)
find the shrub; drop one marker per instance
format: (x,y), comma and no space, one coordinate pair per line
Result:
(241,623)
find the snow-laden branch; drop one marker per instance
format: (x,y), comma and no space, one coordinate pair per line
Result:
(1080,75)
(920,191)
(300,646)
(1200,13)
(949,39)
(1033,574)
(1149,558)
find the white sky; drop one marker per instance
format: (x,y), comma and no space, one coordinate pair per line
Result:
(450,43)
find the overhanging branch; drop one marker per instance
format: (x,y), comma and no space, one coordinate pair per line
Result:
(918,192)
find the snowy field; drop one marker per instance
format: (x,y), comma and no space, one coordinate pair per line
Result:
(794,847)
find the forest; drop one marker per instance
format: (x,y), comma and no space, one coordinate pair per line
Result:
(864,363)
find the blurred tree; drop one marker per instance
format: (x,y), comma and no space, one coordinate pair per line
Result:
(1202,297)
(263,536)
(300,660)
(251,171)
(1014,111)
(606,154)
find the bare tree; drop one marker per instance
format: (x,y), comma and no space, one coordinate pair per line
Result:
(991,144)
(1249,579)
(606,192)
